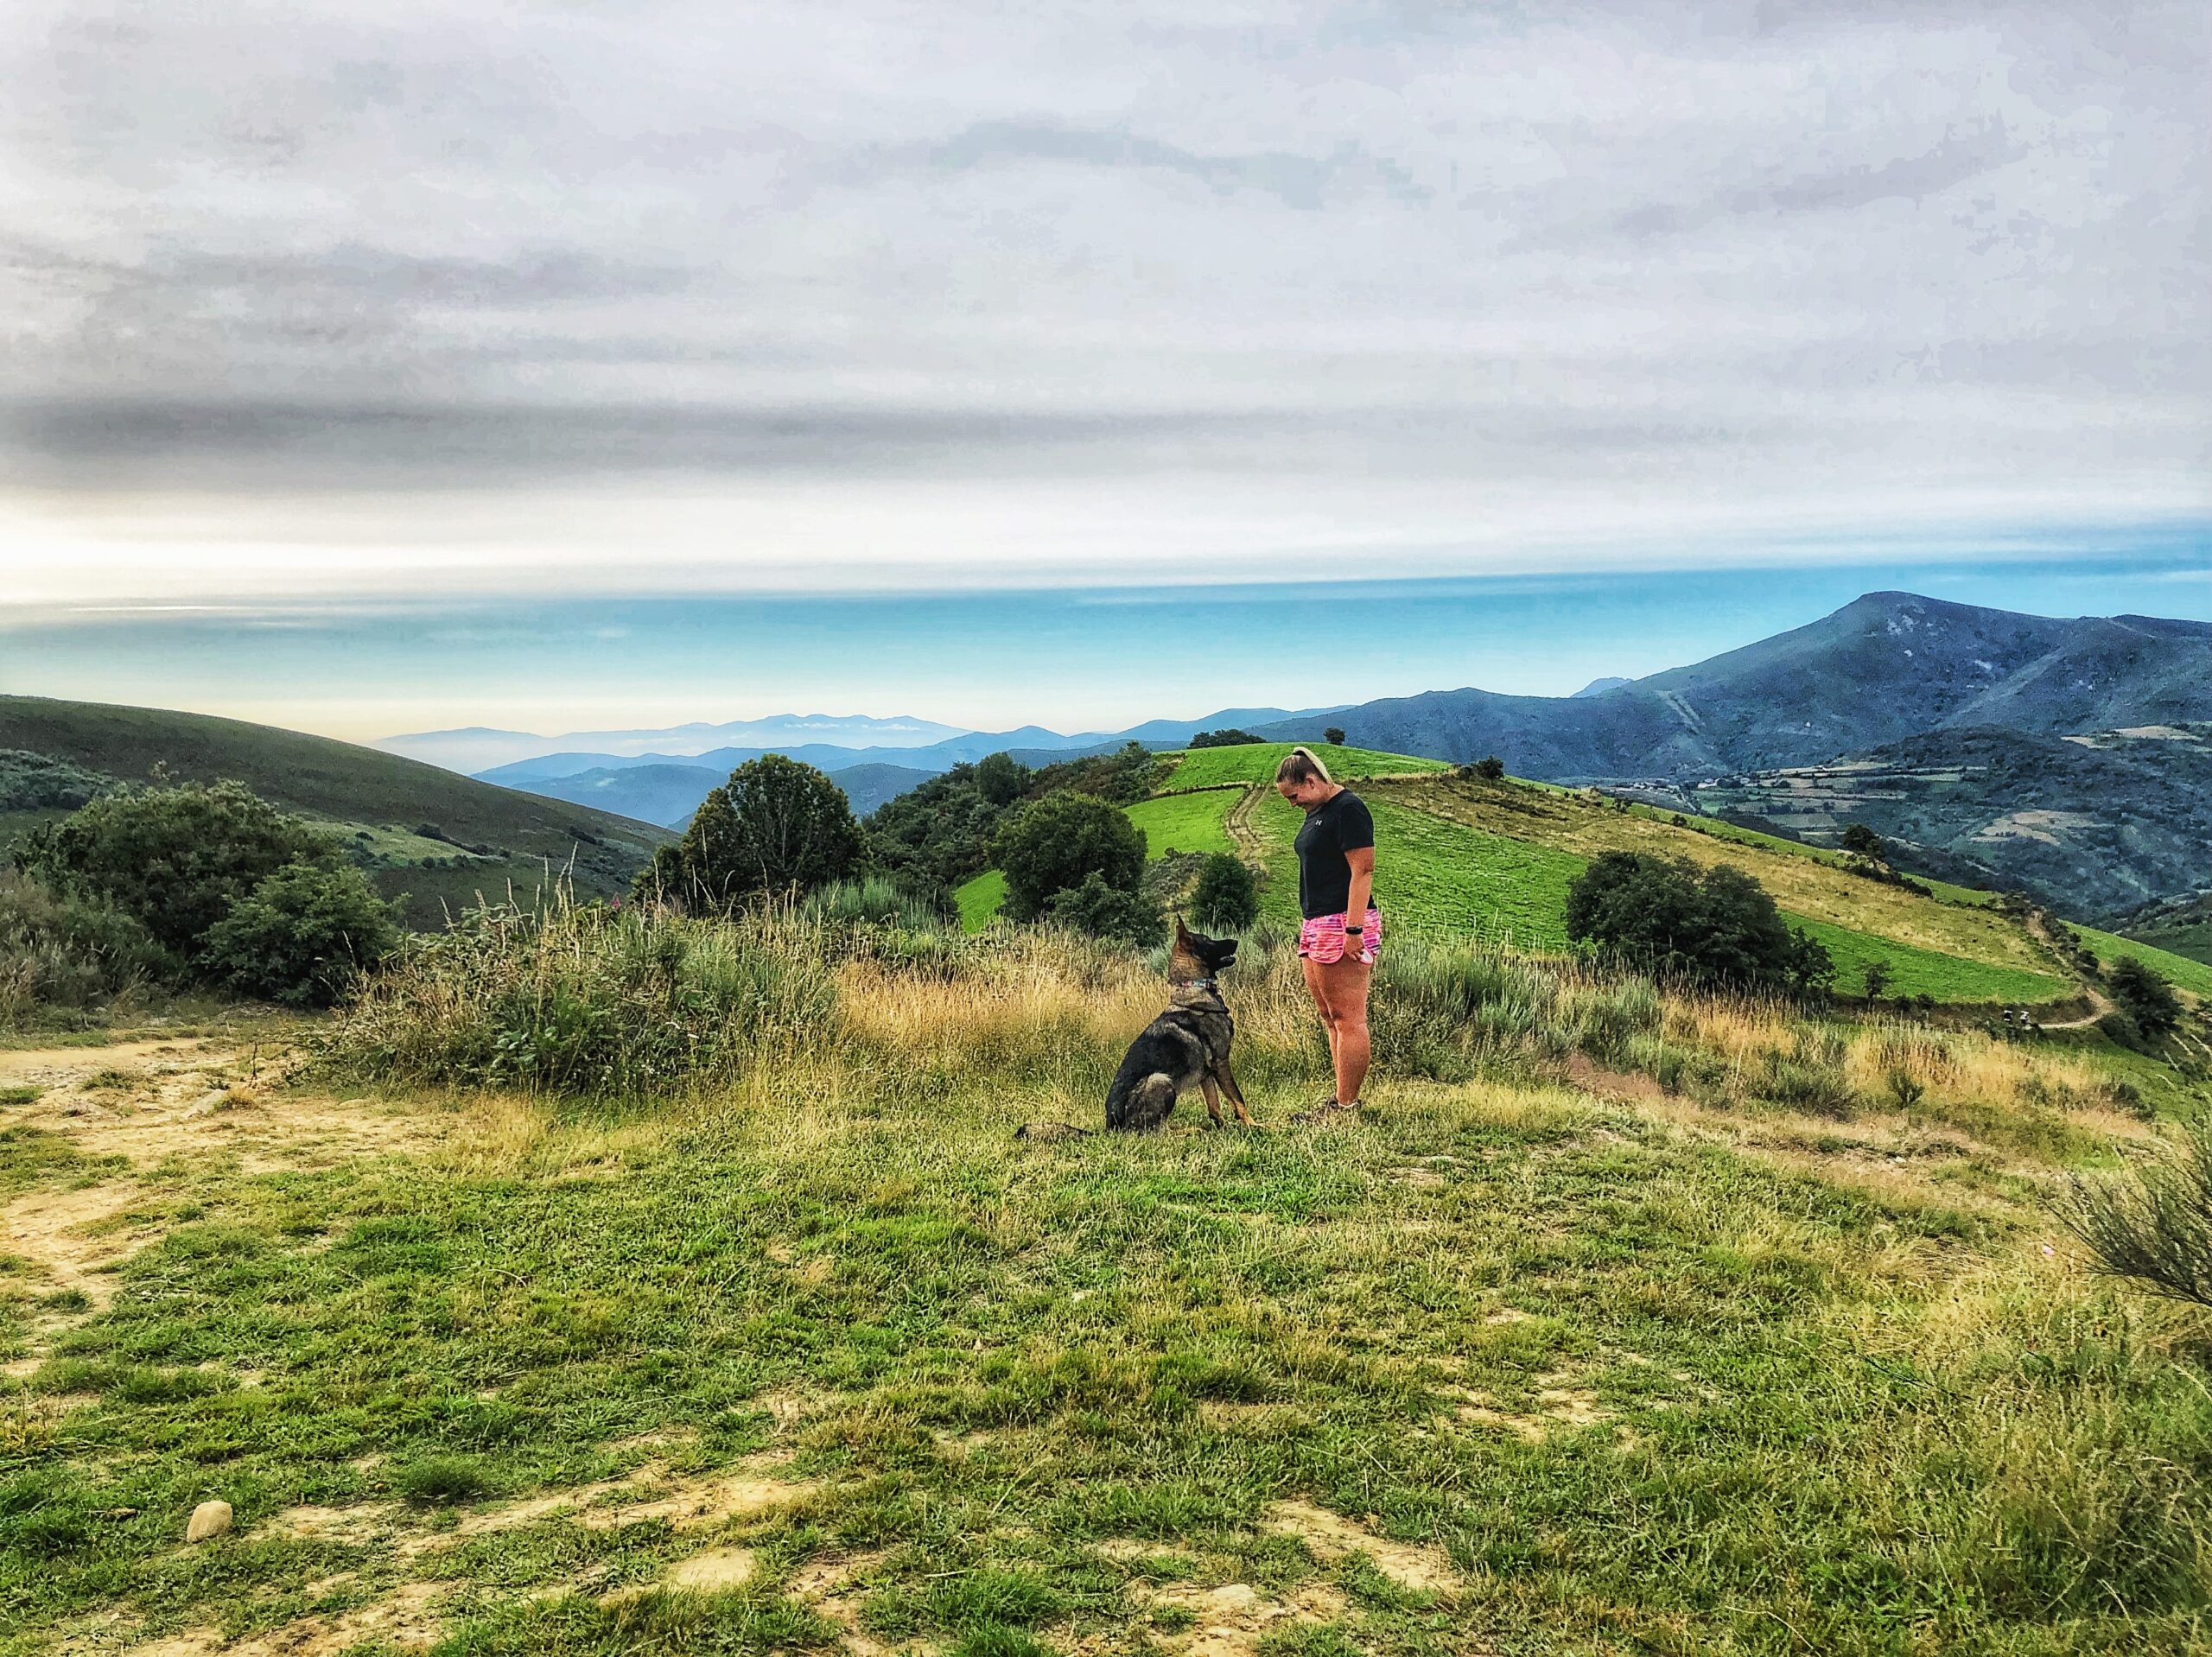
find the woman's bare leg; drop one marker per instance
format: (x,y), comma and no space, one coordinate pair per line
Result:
(1316,986)
(1345,984)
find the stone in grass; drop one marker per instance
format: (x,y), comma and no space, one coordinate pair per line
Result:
(209,1521)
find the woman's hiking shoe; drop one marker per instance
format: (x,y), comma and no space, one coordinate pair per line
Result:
(1321,1112)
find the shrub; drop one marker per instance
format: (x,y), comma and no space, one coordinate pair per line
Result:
(303,937)
(2155,1225)
(1719,929)
(881,902)
(1103,911)
(1227,898)
(1228,736)
(63,951)
(175,858)
(37,782)
(1490,768)
(777,826)
(2145,996)
(1053,844)
(1334,736)
(579,999)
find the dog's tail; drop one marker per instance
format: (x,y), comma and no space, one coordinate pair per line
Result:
(1049,1132)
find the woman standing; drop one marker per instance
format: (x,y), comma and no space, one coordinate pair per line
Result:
(1342,931)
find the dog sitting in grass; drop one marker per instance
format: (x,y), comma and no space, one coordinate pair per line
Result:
(1186,1047)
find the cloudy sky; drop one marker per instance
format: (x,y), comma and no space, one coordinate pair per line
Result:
(305,301)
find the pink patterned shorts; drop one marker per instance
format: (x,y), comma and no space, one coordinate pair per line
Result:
(1322,939)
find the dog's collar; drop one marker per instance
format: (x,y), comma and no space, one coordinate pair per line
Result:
(1198,983)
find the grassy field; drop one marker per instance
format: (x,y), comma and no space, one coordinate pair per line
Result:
(1439,876)
(1946,978)
(1493,861)
(1810,889)
(2108,947)
(820,1359)
(1184,822)
(1256,762)
(979,899)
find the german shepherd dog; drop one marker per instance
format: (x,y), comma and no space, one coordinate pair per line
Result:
(1185,1047)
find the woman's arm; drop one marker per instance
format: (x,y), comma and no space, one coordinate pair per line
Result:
(1362,860)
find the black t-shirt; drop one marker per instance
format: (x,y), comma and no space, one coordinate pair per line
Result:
(1342,823)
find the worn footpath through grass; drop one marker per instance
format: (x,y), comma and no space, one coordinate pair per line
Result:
(819,1362)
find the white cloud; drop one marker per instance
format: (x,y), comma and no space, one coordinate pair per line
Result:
(324,296)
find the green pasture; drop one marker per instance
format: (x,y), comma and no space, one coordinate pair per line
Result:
(1186,822)
(1256,762)
(2108,947)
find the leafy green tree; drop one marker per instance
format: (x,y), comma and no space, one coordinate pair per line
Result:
(1107,911)
(176,859)
(1861,842)
(1001,778)
(776,826)
(1719,929)
(1490,768)
(1051,844)
(1334,736)
(2145,996)
(1228,736)
(303,936)
(1877,980)
(1227,897)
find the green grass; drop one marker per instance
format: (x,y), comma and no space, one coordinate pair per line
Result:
(980,900)
(1924,972)
(1256,762)
(1184,822)
(1632,1390)
(1808,887)
(1433,876)
(2108,947)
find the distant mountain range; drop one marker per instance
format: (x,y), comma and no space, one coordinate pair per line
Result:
(1886,666)
(665,784)
(826,739)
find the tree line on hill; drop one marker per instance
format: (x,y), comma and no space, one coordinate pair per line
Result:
(1070,854)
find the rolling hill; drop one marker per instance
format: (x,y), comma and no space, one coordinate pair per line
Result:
(1463,856)
(421,831)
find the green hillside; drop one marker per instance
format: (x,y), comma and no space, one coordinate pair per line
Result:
(437,837)
(1493,860)
(2109,947)
(1187,822)
(1256,762)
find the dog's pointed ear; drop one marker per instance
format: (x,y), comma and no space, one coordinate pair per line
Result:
(1182,932)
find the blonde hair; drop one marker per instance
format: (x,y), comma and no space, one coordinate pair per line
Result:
(1302,766)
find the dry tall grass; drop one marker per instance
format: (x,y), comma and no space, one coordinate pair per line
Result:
(874,1005)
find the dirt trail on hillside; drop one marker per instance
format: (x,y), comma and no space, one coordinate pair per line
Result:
(146,1113)
(1242,835)
(2038,928)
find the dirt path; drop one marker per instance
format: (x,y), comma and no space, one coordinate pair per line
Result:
(2038,928)
(142,1112)
(1242,833)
